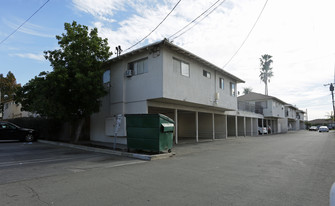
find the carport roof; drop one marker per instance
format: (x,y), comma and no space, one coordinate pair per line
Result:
(179,50)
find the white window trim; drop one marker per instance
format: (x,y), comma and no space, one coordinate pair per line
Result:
(182,73)
(221,86)
(135,67)
(206,74)
(231,89)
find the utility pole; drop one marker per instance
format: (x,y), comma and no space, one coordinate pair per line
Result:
(331,89)
(0,104)
(1,107)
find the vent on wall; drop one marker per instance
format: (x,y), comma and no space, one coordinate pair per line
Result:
(217,96)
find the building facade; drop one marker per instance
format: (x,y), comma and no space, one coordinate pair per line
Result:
(163,78)
(200,97)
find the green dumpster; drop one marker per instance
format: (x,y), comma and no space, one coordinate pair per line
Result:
(149,132)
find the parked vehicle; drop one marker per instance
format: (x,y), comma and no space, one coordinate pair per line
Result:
(313,128)
(323,129)
(265,131)
(10,131)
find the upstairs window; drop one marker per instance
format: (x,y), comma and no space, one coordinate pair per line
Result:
(221,83)
(106,76)
(183,67)
(206,74)
(139,67)
(232,89)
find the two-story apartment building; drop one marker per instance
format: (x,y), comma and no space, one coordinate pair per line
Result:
(301,119)
(295,117)
(270,107)
(163,78)
(279,115)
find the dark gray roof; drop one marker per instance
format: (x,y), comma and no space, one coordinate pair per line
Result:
(179,50)
(252,96)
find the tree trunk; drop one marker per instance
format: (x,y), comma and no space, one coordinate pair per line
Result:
(266,88)
(266,83)
(78,129)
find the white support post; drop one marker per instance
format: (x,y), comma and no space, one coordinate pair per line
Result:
(226,126)
(251,127)
(236,127)
(245,127)
(197,126)
(262,127)
(176,125)
(213,124)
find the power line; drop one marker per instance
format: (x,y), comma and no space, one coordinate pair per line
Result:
(23,23)
(155,27)
(193,20)
(252,28)
(198,21)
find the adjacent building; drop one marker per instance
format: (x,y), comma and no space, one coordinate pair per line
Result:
(279,115)
(12,110)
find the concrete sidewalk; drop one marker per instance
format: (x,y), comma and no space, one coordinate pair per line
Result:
(108,150)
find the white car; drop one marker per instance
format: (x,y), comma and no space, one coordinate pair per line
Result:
(265,131)
(323,129)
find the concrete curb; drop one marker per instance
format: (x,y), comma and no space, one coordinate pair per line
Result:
(110,151)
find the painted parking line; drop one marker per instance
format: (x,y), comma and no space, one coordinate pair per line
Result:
(128,163)
(36,161)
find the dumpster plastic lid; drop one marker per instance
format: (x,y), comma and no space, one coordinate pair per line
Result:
(167,127)
(166,118)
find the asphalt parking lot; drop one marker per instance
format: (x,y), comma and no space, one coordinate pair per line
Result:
(297,168)
(21,160)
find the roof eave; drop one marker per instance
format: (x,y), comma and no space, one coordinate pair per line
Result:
(177,49)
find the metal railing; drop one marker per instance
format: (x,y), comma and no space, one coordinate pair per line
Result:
(250,107)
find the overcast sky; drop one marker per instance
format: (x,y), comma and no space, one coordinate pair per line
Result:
(298,34)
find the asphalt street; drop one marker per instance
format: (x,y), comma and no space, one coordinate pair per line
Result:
(297,168)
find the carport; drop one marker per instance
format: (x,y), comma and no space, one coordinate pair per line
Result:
(193,125)
(292,124)
(220,126)
(251,126)
(247,123)
(273,123)
(196,124)
(241,125)
(232,126)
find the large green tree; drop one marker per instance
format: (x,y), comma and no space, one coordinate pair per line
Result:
(266,70)
(72,91)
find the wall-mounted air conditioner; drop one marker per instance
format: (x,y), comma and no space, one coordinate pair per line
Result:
(129,73)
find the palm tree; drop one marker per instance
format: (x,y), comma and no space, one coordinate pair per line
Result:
(266,70)
(247,90)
